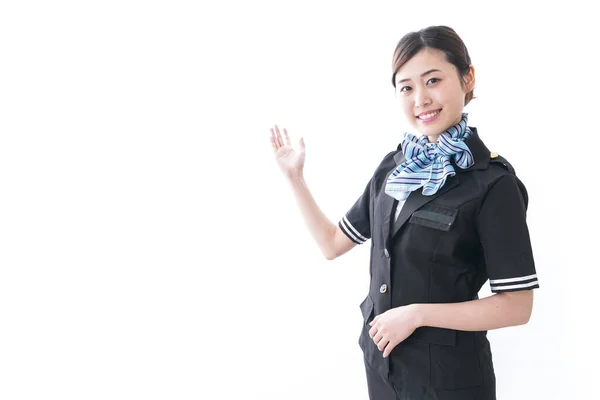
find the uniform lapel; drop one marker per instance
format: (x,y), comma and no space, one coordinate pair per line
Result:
(416,199)
(387,202)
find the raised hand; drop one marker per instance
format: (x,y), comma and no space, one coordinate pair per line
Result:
(290,161)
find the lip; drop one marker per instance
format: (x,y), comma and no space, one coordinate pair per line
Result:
(427,112)
(429,120)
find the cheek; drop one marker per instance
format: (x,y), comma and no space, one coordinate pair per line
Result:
(447,92)
(452,97)
(407,109)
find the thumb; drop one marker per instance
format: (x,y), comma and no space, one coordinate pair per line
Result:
(302,145)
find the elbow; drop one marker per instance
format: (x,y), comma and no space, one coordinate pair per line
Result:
(328,247)
(520,305)
(525,314)
(526,308)
(524,317)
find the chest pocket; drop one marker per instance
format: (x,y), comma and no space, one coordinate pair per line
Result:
(426,227)
(434,216)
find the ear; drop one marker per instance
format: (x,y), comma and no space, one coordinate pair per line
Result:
(469,79)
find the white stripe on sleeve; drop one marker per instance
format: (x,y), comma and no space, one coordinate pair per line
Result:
(510,287)
(511,280)
(353,230)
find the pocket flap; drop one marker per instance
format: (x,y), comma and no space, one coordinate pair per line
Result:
(428,334)
(434,216)
(366,307)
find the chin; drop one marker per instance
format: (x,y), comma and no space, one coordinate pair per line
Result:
(435,130)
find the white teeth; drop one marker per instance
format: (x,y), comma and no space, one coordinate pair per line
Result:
(430,115)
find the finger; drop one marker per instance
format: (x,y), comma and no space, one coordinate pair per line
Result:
(278,134)
(273,141)
(302,146)
(389,348)
(273,135)
(374,320)
(373,332)
(377,338)
(382,344)
(287,137)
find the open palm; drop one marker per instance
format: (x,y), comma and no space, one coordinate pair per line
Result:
(290,161)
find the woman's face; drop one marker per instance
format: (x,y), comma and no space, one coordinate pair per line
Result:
(431,93)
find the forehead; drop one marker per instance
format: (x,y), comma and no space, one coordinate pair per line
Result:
(425,60)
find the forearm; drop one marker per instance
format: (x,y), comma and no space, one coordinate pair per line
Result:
(319,226)
(493,312)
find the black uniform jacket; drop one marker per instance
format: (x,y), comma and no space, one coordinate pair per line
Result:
(442,249)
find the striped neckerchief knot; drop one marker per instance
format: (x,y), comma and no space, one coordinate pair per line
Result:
(427,164)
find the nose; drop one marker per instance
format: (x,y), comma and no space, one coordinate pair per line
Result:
(422,98)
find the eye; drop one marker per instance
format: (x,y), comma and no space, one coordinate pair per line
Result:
(405,89)
(434,80)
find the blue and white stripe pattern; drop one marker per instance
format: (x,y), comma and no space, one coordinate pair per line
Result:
(512,284)
(427,164)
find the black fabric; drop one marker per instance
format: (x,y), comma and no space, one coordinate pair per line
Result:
(504,235)
(378,386)
(442,249)
(357,224)
(435,217)
(384,388)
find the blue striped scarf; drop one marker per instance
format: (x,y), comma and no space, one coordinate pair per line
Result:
(427,164)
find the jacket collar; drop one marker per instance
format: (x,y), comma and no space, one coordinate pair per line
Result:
(481,154)
(481,158)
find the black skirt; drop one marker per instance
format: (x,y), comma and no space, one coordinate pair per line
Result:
(382,388)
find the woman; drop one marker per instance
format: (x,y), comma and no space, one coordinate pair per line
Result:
(444,216)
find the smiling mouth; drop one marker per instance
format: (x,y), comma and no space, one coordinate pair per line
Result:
(429,115)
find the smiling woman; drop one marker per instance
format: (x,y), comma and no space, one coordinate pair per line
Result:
(434,79)
(444,215)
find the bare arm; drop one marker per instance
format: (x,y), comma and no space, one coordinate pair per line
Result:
(329,237)
(493,312)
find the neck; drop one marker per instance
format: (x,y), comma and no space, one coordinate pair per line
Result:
(433,138)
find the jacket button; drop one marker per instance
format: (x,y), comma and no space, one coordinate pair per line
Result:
(383,288)
(387,253)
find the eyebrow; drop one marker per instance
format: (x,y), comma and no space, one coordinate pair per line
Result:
(422,75)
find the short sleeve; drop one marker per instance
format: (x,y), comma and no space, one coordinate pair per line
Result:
(356,223)
(505,237)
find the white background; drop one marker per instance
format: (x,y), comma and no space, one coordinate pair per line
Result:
(151,249)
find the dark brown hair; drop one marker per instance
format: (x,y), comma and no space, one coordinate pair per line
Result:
(441,38)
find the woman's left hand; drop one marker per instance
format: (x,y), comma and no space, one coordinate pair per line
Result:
(392,327)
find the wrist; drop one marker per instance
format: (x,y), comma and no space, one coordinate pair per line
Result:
(418,314)
(295,176)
